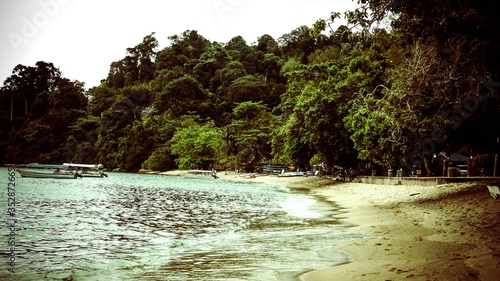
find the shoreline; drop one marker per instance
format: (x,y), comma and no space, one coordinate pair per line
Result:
(445,232)
(440,233)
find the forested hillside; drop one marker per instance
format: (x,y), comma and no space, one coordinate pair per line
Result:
(403,81)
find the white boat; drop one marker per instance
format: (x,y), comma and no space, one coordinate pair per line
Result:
(87,170)
(291,174)
(47,171)
(201,173)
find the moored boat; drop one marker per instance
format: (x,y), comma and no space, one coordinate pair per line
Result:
(291,174)
(200,173)
(47,171)
(87,170)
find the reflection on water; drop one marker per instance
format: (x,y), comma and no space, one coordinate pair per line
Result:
(151,227)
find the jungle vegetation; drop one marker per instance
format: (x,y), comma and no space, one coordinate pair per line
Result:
(404,80)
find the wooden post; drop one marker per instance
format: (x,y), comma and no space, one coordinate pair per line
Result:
(495,166)
(470,172)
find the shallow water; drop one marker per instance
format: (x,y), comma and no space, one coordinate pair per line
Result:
(153,227)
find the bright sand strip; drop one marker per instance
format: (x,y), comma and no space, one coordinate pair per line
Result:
(446,232)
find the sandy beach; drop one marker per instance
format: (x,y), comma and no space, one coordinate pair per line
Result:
(445,232)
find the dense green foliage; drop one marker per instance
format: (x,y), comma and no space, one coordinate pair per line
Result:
(392,94)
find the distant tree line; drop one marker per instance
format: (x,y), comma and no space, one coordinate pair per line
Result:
(403,81)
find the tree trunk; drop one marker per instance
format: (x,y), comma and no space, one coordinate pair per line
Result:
(427,162)
(11,108)
(25,106)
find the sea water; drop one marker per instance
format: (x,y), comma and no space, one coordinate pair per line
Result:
(154,227)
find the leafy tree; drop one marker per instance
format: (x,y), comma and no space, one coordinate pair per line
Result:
(287,145)
(184,51)
(101,98)
(267,45)
(233,71)
(160,160)
(239,50)
(138,65)
(320,96)
(252,125)
(81,139)
(291,65)
(330,53)
(160,129)
(181,96)
(42,137)
(163,77)
(271,67)
(115,125)
(196,145)
(314,119)
(123,72)
(135,147)
(298,44)
(434,88)
(248,88)
(144,55)
(365,76)
(213,60)
(27,82)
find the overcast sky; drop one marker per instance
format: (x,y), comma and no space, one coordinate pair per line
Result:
(83,37)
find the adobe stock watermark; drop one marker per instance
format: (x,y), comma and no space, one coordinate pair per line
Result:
(456,115)
(31,26)
(222,7)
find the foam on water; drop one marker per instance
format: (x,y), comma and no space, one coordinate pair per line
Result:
(300,207)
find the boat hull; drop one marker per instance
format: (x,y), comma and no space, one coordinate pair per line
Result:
(93,175)
(31,174)
(291,174)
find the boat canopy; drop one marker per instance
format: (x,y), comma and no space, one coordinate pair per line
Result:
(64,166)
(47,166)
(89,166)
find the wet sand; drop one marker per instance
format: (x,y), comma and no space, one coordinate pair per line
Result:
(445,232)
